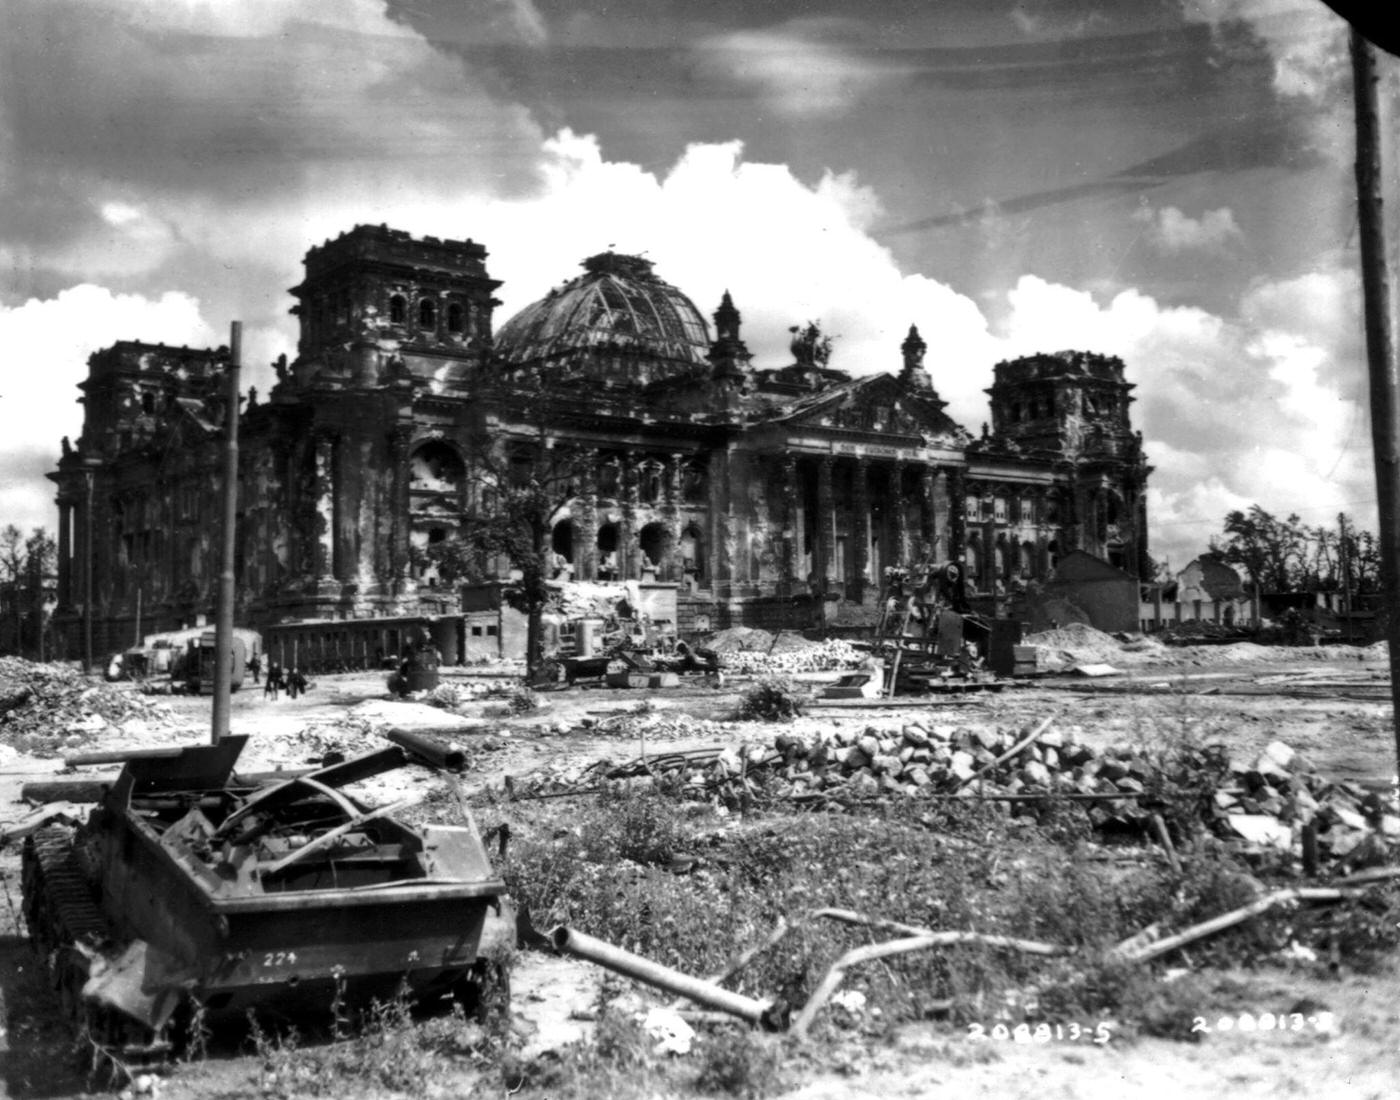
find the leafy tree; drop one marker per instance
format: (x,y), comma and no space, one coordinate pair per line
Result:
(25,563)
(12,576)
(1272,551)
(523,477)
(40,562)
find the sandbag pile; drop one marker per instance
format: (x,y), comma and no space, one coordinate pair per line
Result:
(48,710)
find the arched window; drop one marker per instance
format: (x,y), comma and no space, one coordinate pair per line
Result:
(972,559)
(427,314)
(398,309)
(437,466)
(649,489)
(454,317)
(562,540)
(692,559)
(655,541)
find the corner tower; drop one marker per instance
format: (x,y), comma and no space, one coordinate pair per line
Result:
(377,302)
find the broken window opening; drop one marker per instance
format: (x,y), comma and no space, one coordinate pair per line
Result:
(607,552)
(437,466)
(398,309)
(562,544)
(655,541)
(650,488)
(454,317)
(427,314)
(609,478)
(693,483)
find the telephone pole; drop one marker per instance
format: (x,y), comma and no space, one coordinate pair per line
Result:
(1380,347)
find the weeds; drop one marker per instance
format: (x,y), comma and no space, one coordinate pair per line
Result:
(770,700)
(391,1052)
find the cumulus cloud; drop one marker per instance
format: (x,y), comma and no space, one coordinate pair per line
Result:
(48,343)
(1171,231)
(176,149)
(803,68)
(1264,406)
(1306,41)
(204,118)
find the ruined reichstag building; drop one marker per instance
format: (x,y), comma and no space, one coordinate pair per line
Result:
(758,492)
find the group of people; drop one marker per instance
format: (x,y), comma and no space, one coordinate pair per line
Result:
(293,682)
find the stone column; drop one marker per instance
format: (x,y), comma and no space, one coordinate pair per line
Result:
(323,559)
(860,527)
(65,551)
(671,568)
(900,553)
(928,527)
(586,550)
(627,549)
(826,520)
(957,516)
(401,521)
(790,581)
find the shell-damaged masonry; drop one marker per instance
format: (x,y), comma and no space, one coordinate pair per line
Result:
(761,494)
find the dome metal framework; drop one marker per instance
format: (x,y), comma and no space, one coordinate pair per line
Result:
(618,305)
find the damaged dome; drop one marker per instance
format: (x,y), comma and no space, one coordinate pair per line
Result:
(618,305)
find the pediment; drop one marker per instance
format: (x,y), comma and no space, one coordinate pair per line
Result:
(879,405)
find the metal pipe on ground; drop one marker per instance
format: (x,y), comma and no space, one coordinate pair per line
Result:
(771,1017)
(440,754)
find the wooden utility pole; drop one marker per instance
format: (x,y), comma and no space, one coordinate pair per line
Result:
(223,625)
(1345,557)
(1380,347)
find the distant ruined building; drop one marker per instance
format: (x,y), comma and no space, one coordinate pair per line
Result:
(757,491)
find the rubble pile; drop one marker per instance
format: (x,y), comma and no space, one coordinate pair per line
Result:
(1278,795)
(824,656)
(456,694)
(588,600)
(48,709)
(655,725)
(1265,802)
(346,735)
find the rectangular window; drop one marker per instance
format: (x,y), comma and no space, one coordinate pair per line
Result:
(999,509)
(972,510)
(490,631)
(476,632)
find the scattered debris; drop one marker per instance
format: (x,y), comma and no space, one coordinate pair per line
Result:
(48,710)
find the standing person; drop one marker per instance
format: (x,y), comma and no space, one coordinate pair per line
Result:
(296,683)
(274,680)
(255,666)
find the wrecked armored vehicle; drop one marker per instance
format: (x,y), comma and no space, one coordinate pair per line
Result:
(189,889)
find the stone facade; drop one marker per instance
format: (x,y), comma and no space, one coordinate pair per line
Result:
(760,492)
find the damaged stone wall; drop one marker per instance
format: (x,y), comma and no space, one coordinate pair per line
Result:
(752,490)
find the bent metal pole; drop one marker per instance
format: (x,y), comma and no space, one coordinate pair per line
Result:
(223,623)
(654,974)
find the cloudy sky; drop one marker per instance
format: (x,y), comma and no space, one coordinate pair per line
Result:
(1166,180)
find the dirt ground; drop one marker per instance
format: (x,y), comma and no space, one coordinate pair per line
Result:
(1330,705)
